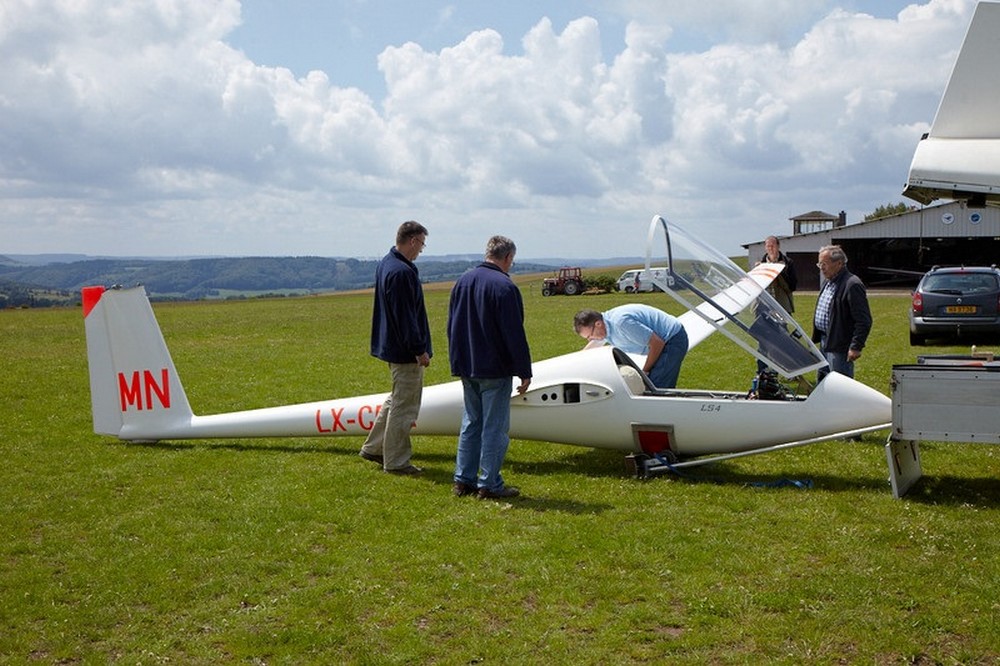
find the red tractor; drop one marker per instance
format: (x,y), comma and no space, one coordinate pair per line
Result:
(567,281)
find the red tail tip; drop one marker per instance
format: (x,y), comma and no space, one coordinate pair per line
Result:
(90,297)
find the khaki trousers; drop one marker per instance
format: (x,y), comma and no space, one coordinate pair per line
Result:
(390,435)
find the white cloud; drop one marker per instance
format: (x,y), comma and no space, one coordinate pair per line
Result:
(136,123)
(727,20)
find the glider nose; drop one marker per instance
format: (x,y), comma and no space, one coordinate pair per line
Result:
(859,405)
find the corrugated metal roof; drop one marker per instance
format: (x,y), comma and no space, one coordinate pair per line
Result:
(951,220)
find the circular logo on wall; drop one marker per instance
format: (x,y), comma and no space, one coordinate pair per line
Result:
(947,218)
(975,218)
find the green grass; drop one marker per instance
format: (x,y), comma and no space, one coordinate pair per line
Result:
(297,551)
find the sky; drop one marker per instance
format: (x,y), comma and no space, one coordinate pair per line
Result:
(315,127)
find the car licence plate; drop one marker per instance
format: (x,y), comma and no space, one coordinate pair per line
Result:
(960,309)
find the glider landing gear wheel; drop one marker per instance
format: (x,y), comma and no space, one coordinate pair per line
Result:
(635,465)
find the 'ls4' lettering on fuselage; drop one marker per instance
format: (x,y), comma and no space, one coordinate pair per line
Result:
(132,391)
(334,420)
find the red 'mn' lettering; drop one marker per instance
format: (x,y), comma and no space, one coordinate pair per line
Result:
(131,391)
(129,394)
(162,390)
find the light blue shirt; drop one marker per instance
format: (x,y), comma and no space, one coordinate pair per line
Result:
(630,326)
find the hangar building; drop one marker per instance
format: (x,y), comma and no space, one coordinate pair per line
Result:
(893,250)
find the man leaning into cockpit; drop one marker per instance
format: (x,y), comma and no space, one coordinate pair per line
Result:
(639,329)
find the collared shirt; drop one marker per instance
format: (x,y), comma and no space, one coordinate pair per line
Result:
(822,317)
(630,326)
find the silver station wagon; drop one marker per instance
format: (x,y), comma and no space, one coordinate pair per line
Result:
(956,302)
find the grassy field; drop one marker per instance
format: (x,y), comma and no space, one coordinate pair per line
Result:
(276,551)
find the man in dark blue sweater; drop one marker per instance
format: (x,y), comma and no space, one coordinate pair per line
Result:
(487,346)
(401,337)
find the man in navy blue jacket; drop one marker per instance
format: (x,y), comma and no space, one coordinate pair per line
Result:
(487,346)
(401,337)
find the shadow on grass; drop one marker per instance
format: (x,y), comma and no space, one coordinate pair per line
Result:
(955,491)
(965,340)
(931,490)
(592,462)
(526,500)
(238,445)
(599,463)
(435,476)
(720,474)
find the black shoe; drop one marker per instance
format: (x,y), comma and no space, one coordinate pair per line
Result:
(409,470)
(370,456)
(505,492)
(461,489)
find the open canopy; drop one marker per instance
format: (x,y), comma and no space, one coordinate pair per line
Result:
(728,300)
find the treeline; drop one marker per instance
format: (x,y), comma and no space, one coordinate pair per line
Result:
(195,279)
(17,295)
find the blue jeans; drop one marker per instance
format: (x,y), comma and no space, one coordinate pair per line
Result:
(838,363)
(483,440)
(667,368)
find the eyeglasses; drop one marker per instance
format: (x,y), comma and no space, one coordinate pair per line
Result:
(826,263)
(422,243)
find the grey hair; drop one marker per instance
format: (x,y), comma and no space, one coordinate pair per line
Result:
(500,247)
(835,251)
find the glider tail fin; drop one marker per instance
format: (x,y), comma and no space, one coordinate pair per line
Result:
(135,392)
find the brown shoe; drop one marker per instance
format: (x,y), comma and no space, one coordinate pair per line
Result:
(409,470)
(370,456)
(505,492)
(461,489)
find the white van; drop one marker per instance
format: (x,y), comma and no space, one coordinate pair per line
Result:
(627,283)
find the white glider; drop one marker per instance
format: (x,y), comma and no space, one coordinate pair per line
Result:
(594,397)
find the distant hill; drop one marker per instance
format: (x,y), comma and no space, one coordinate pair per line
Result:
(41,259)
(16,294)
(23,283)
(54,279)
